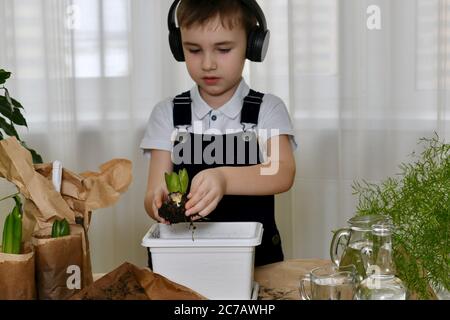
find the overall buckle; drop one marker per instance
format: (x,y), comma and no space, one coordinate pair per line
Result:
(248,130)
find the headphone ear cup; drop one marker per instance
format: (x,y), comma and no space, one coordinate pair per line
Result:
(257,44)
(176,45)
(250,51)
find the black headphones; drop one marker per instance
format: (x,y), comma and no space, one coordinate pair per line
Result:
(257,42)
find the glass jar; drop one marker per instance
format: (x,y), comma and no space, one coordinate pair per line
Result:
(381,282)
(356,241)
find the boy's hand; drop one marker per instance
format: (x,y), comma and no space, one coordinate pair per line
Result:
(159,195)
(207,189)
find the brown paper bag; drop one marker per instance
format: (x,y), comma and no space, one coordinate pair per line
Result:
(89,190)
(80,194)
(128,282)
(17,167)
(62,264)
(17,275)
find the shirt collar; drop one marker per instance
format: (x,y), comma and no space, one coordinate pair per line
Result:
(231,108)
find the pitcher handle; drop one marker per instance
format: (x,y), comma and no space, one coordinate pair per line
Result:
(335,242)
(303,294)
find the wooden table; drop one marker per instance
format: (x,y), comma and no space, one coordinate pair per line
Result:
(280,281)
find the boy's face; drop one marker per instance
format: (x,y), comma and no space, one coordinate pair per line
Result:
(215,56)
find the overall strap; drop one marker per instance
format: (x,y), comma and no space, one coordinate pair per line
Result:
(182,110)
(251,106)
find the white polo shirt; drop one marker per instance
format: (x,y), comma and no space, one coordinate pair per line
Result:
(273,119)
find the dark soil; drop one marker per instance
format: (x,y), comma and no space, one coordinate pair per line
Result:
(174,213)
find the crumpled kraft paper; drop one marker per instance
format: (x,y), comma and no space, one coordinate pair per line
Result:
(128,282)
(80,193)
(17,167)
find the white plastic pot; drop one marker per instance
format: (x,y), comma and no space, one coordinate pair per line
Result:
(216,261)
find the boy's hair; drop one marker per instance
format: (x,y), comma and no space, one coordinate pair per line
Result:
(231,13)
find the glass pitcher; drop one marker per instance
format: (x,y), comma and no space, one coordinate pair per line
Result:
(381,283)
(357,243)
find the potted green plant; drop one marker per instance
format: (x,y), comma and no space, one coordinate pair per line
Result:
(417,201)
(17,276)
(11,115)
(173,209)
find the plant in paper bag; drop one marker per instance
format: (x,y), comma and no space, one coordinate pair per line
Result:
(17,277)
(417,202)
(12,228)
(11,115)
(60,228)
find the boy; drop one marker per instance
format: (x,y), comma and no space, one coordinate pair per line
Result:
(228,180)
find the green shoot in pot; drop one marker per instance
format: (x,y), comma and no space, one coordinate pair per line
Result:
(173,210)
(12,229)
(60,228)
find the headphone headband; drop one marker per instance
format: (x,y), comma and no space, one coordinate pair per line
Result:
(258,38)
(250,4)
(171,17)
(259,14)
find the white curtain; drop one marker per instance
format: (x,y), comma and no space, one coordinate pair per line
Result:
(89,72)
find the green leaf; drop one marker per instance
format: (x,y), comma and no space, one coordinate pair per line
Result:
(55,228)
(8,98)
(18,202)
(172,182)
(184,180)
(17,104)
(9,233)
(64,228)
(36,156)
(4,75)
(167,178)
(8,128)
(17,230)
(16,116)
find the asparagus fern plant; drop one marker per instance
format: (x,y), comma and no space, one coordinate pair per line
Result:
(418,203)
(11,115)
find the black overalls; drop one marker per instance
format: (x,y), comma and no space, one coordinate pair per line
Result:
(232,208)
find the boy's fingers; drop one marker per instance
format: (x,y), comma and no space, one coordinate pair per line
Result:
(193,190)
(200,205)
(211,206)
(195,184)
(206,210)
(195,199)
(157,217)
(155,212)
(159,197)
